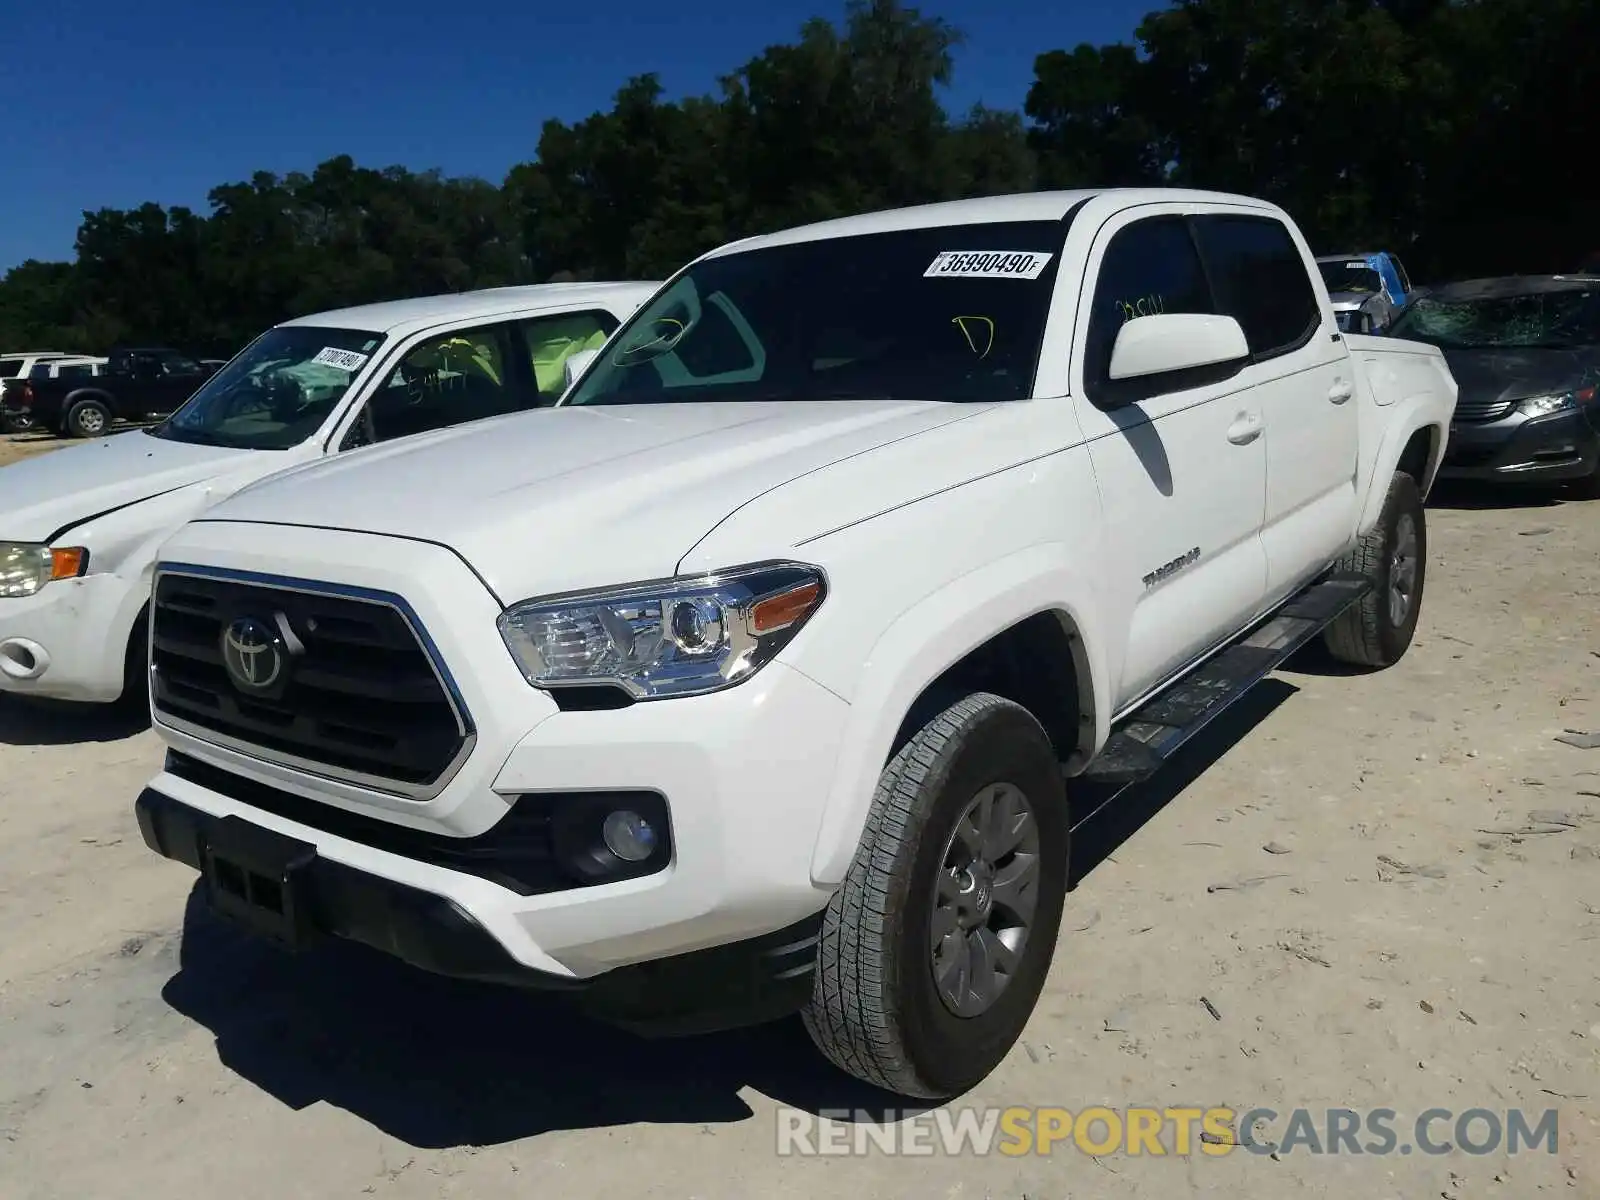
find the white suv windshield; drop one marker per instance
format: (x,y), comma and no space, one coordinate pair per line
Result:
(277,393)
(943,314)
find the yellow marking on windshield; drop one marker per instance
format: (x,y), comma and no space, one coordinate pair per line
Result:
(961,324)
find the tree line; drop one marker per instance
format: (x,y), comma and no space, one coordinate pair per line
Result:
(1452,131)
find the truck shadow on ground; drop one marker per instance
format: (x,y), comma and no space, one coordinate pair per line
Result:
(439,1063)
(30,722)
(1102,826)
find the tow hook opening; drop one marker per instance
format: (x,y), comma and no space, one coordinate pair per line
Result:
(22,658)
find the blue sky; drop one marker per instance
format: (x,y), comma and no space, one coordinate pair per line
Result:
(108,104)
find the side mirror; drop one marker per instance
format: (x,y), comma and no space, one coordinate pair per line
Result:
(1166,342)
(577,362)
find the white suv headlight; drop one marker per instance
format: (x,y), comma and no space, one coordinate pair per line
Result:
(25,567)
(673,637)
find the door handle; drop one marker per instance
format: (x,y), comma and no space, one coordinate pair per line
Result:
(1341,391)
(1245,429)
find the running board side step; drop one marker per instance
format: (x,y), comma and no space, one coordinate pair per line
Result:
(1147,737)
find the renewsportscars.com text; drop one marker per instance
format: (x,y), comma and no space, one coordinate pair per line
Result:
(1160,1131)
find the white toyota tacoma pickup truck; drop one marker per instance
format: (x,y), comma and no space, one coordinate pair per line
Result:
(80,527)
(770,669)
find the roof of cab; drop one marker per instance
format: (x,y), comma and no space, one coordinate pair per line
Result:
(981,210)
(395,316)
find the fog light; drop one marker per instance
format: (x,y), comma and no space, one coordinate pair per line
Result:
(628,835)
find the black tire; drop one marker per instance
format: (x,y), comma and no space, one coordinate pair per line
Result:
(87,419)
(1370,634)
(876,1011)
(135,679)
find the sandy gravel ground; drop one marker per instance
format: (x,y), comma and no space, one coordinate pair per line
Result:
(1422,933)
(18,446)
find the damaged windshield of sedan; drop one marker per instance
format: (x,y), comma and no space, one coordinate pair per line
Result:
(1544,319)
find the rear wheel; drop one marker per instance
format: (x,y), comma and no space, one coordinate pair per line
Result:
(1393,557)
(937,944)
(87,419)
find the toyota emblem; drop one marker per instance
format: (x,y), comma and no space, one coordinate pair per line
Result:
(251,654)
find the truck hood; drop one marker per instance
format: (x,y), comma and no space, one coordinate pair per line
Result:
(569,498)
(1491,375)
(56,490)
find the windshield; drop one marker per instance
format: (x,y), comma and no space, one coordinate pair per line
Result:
(944,314)
(1351,276)
(1557,320)
(277,393)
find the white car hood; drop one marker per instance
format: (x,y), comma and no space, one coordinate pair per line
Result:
(58,489)
(570,498)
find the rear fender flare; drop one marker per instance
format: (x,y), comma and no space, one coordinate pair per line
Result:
(1406,418)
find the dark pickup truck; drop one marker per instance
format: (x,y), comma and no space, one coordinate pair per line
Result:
(137,383)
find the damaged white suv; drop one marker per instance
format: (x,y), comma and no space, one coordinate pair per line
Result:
(767,670)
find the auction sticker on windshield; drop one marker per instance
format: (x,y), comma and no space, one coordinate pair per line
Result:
(345,360)
(987,264)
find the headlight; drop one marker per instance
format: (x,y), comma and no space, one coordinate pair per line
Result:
(1543,406)
(674,637)
(25,567)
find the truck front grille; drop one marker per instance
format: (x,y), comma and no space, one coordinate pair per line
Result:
(337,684)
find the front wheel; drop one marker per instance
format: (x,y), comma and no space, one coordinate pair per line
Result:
(1377,631)
(936,946)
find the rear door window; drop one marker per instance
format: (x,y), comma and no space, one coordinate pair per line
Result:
(1260,280)
(550,341)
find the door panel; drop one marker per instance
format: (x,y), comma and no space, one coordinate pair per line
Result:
(1305,387)
(1181,474)
(1184,505)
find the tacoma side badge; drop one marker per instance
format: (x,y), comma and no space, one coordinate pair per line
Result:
(1166,570)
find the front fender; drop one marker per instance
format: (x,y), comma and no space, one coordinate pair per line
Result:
(918,647)
(125,543)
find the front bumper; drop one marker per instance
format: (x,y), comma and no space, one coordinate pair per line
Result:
(1552,449)
(68,641)
(744,773)
(740,983)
